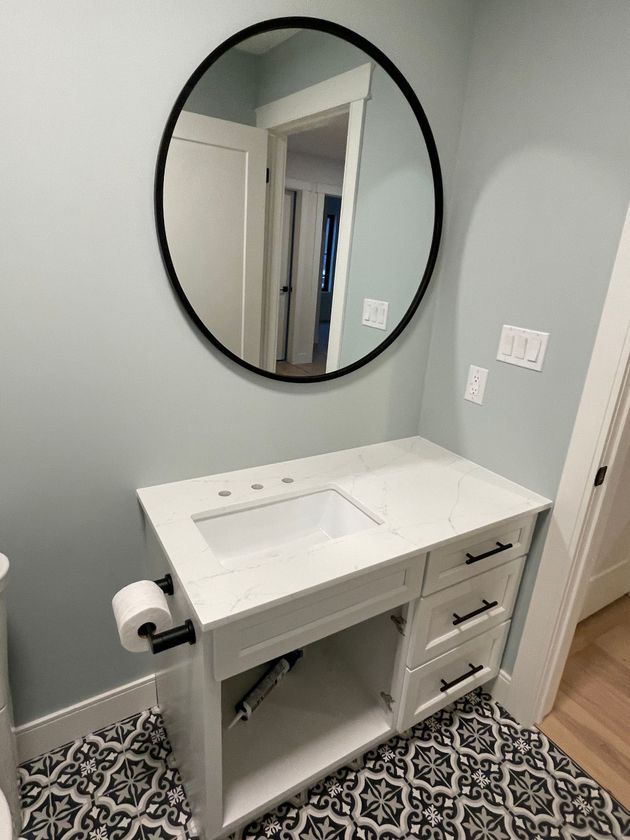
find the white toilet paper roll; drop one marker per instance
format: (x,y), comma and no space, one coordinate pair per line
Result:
(142,602)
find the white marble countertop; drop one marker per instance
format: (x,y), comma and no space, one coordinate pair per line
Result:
(424,494)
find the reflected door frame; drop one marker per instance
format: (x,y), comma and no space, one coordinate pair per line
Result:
(287,272)
(307,246)
(304,109)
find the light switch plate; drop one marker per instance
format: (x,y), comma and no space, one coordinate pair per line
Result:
(476,384)
(375,313)
(525,348)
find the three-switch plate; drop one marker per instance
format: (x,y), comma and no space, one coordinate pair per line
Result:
(525,348)
(375,313)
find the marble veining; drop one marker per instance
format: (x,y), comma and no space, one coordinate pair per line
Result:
(425,495)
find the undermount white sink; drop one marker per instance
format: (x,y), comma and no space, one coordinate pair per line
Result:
(248,536)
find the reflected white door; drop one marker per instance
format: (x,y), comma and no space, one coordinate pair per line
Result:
(214,213)
(286,265)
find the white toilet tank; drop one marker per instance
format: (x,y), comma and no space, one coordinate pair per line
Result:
(8,759)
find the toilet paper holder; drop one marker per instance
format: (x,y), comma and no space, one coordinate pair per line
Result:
(174,636)
(167,639)
(166,584)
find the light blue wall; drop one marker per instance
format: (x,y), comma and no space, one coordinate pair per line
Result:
(229,90)
(106,386)
(305,59)
(394,216)
(542,187)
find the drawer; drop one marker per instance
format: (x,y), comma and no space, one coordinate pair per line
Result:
(258,638)
(448,618)
(469,556)
(441,681)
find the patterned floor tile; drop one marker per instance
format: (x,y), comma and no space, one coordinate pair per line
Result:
(279,824)
(435,814)
(148,736)
(334,793)
(469,772)
(87,767)
(55,808)
(165,801)
(431,765)
(322,825)
(155,829)
(107,819)
(382,804)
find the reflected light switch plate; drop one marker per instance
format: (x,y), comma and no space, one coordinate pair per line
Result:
(375,313)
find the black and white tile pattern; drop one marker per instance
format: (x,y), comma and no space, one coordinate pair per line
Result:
(470,772)
(115,784)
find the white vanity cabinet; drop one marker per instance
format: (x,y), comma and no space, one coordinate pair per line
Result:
(395,621)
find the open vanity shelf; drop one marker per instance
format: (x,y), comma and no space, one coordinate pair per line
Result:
(396,619)
(325,711)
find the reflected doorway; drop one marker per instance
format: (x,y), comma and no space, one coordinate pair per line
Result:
(315,163)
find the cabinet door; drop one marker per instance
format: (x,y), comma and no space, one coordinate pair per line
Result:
(441,681)
(450,617)
(469,556)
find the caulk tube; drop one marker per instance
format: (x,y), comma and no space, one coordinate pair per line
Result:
(245,707)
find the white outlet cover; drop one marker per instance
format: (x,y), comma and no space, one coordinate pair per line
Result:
(476,384)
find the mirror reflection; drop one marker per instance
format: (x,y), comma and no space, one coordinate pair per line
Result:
(298,203)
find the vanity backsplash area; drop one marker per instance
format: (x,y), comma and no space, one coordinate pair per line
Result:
(393,568)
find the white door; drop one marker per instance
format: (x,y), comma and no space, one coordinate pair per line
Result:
(610,578)
(286,268)
(214,214)
(306,247)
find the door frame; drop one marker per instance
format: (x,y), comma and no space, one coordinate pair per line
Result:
(291,258)
(307,108)
(569,553)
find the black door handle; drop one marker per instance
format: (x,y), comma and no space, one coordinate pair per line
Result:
(284,289)
(501,547)
(474,669)
(487,605)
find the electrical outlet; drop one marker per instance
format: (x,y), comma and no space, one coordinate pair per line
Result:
(476,385)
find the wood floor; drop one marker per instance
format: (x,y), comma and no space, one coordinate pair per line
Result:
(591,717)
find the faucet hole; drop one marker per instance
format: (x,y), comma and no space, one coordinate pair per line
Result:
(287,480)
(225,492)
(257,486)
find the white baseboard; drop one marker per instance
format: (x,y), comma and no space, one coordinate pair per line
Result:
(46,733)
(501,687)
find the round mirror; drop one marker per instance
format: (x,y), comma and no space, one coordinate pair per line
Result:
(299,199)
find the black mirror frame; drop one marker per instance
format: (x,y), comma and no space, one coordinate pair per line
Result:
(367,47)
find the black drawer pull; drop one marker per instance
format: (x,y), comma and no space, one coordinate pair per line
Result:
(487,605)
(501,547)
(474,669)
